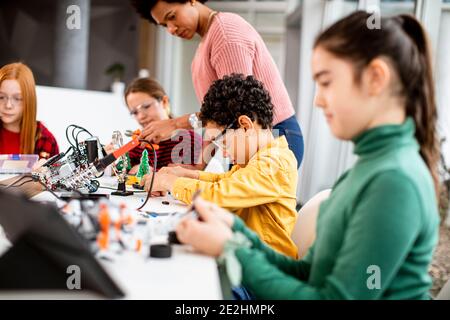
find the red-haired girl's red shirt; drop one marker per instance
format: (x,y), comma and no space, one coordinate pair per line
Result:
(46,145)
(9,142)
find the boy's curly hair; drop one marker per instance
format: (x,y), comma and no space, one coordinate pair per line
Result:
(235,95)
(143,7)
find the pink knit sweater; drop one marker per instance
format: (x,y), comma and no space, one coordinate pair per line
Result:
(232,45)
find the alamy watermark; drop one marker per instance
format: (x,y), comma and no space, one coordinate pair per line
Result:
(374,21)
(374,280)
(73,21)
(73,281)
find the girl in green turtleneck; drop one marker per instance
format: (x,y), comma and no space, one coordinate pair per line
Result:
(377,230)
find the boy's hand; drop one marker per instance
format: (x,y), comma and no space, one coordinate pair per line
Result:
(159,194)
(134,170)
(162,182)
(180,172)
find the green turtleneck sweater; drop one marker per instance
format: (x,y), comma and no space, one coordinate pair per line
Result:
(375,234)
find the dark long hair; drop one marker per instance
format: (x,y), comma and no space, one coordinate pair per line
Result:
(404,42)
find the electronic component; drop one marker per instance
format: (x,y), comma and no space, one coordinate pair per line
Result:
(73,169)
(82,176)
(172,238)
(138,186)
(120,167)
(160,251)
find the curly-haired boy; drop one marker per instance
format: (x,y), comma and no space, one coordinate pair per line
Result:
(261,186)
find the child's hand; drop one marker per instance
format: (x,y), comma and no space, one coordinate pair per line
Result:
(147,179)
(206,207)
(162,182)
(159,194)
(180,172)
(207,236)
(134,170)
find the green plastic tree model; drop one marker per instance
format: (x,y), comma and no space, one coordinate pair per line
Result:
(144,167)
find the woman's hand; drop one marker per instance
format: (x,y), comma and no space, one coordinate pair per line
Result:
(37,167)
(157,131)
(134,170)
(109,148)
(180,172)
(209,235)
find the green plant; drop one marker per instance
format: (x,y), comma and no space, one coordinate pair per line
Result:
(116,71)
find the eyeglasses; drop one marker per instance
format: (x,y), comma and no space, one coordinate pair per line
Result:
(15,101)
(218,140)
(142,107)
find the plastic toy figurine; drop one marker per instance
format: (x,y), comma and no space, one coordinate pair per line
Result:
(104,221)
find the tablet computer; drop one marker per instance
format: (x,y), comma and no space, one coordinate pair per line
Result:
(44,248)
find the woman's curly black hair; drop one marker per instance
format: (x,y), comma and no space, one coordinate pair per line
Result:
(233,96)
(143,7)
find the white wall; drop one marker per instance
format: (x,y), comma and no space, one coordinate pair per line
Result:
(184,99)
(317,172)
(99,112)
(443,82)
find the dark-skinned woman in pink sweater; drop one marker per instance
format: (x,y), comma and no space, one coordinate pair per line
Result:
(229,44)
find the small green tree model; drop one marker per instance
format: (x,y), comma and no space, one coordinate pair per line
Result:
(144,167)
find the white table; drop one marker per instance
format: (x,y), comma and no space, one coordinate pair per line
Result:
(185,275)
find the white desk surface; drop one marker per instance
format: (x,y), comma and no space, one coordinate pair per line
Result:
(186,275)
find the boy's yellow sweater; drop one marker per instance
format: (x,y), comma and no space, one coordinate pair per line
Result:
(263,193)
